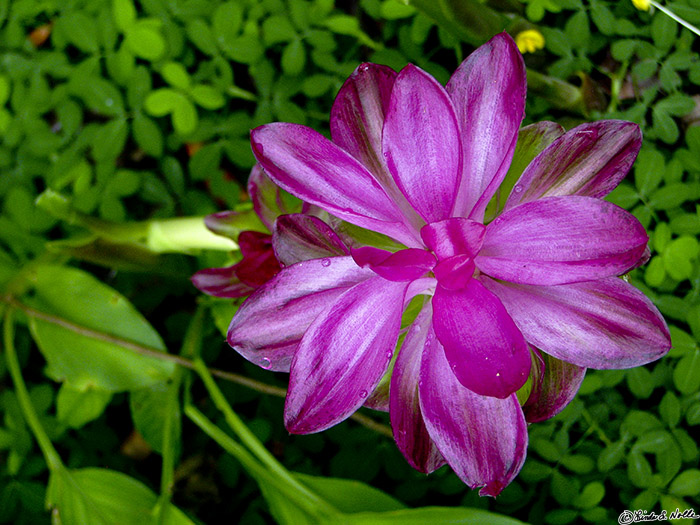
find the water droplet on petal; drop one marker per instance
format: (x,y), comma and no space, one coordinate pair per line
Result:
(518,188)
(265,363)
(389,355)
(326,263)
(363,394)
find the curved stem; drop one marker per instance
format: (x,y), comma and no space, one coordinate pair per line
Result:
(51,456)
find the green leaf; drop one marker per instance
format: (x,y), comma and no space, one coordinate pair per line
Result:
(184,116)
(147,135)
(108,142)
(278,29)
(104,497)
(81,31)
(145,41)
(205,162)
(686,374)
(176,75)
(201,35)
(686,484)
(664,126)
(124,14)
(578,463)
(639,470)
(648,170)
(669,196)
(207,96)
(639,382)
(611,455)
(655,272)
(101,96)
(161,102)
(395,10)
(245,49)
(590,496)
(664,31)
(76,355)
(75,408)
(148,410)
(227,20)
(293,58)
(433,515)
(603,17)
(349,25)
(670,409)
(349,495)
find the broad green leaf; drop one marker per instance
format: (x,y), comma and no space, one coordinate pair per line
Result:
(207,96)
(149,408)
(611,455)
(648,170)
(655,272)
(349,495)
(227,20)
(147,135)
(246,49)
(432,515)
(101,96)
(124,13)
(686,484)
(293,58)
(109,140)
(75,408)
(686,374)
(176,75)
(201,36)
(184,116)
(145,41)
(104,497)
(670,409)
(81,359)
(81,31)
(162,101)
(278,29)
(639,382)
(639,470)
(590,496)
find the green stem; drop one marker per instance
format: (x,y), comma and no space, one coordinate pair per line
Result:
(249,439)
(53,460)
(593,425)
(313,505)
(190,346)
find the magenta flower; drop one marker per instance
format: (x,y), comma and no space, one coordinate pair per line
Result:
(532,294)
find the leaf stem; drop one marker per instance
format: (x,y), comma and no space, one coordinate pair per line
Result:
(250,440)
(313,505)
(242,380)
(53,459)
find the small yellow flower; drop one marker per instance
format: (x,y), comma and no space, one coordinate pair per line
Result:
(642,5)
(529,41)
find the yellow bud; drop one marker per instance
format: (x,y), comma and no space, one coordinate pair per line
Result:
(529,41)
(642,5)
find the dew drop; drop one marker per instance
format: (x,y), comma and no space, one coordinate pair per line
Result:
(363,394)
(109,102)
(326,263)
(518,189)
(389,355)
(364,67)
(265,363)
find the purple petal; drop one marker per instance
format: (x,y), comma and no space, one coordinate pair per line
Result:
(343,356)
(269,325)
(454,273)
(453,236)
(410,433)
(310,166)
(559,240)
(488,92)
(596,324)
(259,263)
(301,237)
(486,352)
(268,200)
(221,282)
(556,386)
(590,160)
(421,143)
(404,265)
(483,439)
(357,117)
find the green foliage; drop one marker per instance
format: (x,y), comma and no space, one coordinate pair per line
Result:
(115,114)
